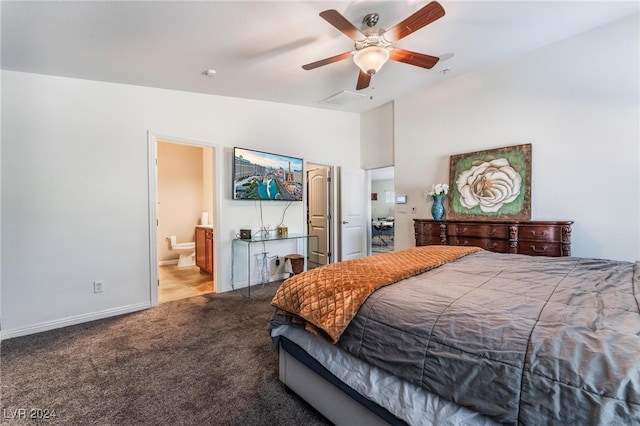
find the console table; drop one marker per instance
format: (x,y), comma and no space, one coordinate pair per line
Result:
(536,238)
(242,244)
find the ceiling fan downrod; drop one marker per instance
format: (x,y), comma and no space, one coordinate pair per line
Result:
(371,19)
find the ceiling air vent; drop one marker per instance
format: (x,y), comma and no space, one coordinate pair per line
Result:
(342,98)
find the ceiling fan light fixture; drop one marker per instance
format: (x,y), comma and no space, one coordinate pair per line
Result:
(371,59)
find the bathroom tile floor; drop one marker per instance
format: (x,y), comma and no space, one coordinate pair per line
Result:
(180,283)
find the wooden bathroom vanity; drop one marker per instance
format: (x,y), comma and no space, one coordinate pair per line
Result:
(204,248)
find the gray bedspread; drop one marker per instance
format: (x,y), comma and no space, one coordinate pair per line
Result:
(524,340)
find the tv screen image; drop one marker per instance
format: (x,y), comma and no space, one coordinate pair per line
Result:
(259,175)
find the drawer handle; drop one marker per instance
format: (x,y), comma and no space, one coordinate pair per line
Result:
(541,234)
(490,246)
(491,231)
(539,250)
(461,230)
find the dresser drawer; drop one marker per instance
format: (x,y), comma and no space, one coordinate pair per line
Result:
(539,248)
(427,233)
(539,232)
(431,229)
(499,246)
(476,230)
(428,241)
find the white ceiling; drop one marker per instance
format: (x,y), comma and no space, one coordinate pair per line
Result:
(258,47)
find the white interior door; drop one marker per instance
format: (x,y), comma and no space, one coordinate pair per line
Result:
(352,214)
(319,214)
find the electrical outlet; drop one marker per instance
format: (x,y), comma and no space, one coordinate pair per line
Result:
(413,210)
(277,261)
(98,286)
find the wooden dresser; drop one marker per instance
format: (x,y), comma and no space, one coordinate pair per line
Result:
(536,238)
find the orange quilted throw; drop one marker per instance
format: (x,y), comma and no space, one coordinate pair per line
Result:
(328,298)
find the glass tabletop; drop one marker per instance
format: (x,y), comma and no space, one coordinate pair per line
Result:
(258,238)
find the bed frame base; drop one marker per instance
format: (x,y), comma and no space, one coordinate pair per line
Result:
(331,402)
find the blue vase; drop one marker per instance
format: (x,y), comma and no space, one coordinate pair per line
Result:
(437,209)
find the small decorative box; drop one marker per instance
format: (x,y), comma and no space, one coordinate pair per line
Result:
(283,231)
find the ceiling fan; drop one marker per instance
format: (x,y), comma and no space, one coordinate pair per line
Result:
(373,47)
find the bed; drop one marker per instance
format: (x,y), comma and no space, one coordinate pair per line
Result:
(439,335)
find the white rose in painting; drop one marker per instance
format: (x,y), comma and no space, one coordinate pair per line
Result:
(489,184)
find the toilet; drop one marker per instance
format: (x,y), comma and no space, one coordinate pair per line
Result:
(185,250)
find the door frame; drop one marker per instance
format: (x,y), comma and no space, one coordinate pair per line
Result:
(152,156)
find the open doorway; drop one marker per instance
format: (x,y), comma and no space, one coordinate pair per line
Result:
(382,210)
(185,211)
(319,215)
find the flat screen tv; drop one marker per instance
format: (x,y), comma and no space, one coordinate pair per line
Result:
(259,175)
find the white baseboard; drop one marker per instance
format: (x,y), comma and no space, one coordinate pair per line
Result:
(279,277)
(78,319)
(168,262)
(274,277)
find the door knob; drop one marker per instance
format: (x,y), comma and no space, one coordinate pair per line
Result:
(344,222)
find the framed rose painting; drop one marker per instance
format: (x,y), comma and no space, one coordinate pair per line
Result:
(491,184)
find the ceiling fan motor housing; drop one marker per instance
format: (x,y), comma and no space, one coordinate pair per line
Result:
(372,40)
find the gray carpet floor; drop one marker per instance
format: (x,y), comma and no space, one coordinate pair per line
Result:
(205,360)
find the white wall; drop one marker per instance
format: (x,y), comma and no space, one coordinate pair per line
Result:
(380,207)
(376,130)
(75,186)
(576,101)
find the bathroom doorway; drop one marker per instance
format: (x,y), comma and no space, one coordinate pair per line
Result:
(185,201)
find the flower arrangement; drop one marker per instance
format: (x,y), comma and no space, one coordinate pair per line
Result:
(437,189)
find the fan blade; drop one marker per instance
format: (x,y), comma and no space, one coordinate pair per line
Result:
(363,80)
(327,61)
(413,58)
(419,19)
(334,17)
